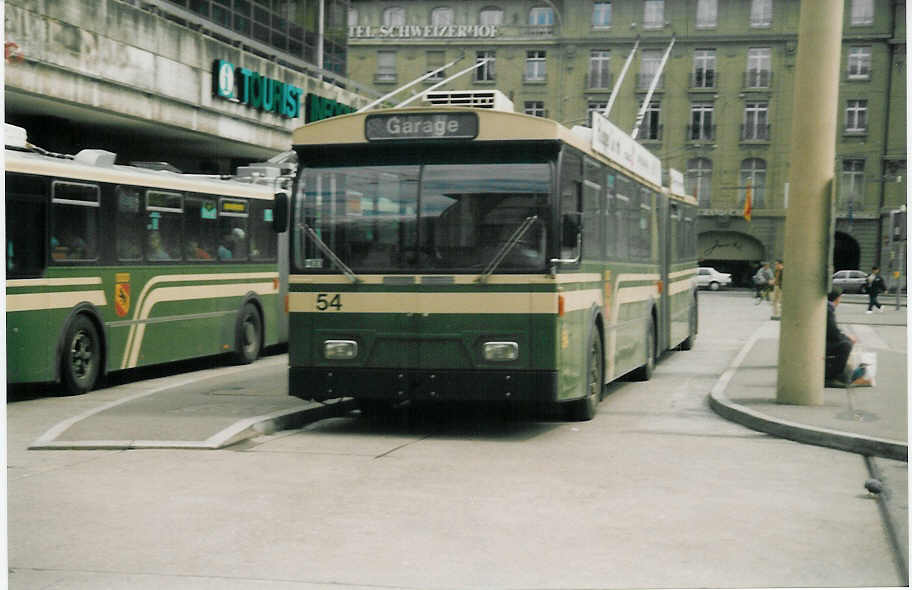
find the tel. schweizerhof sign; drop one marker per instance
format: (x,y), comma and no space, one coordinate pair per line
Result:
(422,32)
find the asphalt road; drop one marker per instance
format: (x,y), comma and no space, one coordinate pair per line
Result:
(656,491)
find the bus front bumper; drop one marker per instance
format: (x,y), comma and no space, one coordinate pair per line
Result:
(402,385)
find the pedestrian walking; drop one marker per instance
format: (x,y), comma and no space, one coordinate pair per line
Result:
(777,290)
(838,345)
(874,286)
(763,279)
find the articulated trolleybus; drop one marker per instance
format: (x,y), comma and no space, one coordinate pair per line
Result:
(447,253)
(111,267)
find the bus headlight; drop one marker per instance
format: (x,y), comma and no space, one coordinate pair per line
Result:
(501,351)
(340,349)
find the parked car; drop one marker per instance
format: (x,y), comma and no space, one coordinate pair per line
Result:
(710,278)
(850,281)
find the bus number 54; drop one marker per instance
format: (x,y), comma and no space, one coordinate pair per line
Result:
(325,301)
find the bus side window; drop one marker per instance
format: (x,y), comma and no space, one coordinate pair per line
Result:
(232,229)
(74,221)
(26,240)
(164,225)
(263,244)
(200,227)
(571,207)
(128,226)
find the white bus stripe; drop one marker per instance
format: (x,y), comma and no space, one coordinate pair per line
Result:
(59,300)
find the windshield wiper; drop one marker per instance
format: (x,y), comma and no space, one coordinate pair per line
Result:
(505,249)
(349,273)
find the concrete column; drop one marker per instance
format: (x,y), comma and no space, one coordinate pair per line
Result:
(807,224)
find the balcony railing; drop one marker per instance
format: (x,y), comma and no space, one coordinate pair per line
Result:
(600,82)
(644,80)
(701,133)
(704,79)
(758,79)
(650,132)
(755,132)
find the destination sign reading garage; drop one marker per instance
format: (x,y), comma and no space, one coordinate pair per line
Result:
(421,126)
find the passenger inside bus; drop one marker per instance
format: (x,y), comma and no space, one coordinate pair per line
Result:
(154,250)
(194,252)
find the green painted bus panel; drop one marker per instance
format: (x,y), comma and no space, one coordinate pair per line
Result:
(31,345)
(436,341)
(151,314)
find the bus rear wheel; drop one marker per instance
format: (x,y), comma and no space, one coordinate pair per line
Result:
(644,373)
(80,363)
(249,335)
(586,408)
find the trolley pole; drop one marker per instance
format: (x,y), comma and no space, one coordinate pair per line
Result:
(802,346)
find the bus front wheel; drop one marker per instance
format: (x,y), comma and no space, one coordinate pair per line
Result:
(586,408)
(80,363)
(249,335)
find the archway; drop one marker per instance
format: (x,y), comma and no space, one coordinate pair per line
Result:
(846,252)
(731,252)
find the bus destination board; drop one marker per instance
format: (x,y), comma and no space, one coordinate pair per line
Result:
(391,127)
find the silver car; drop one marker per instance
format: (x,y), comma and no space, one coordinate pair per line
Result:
(850,281)
(708,277)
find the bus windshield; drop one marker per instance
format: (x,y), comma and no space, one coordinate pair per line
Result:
(424,218)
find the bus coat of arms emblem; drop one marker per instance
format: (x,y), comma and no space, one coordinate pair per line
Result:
(122,295)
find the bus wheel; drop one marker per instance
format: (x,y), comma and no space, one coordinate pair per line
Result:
(81,360)
(586,408)
(249,335)
(644,373)
(692,333)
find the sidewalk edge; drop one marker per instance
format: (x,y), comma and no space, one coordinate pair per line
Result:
(824,437)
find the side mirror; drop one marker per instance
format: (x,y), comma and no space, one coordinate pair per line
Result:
(280,213)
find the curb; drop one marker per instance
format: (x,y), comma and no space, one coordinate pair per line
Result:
(823,437)
(237,432)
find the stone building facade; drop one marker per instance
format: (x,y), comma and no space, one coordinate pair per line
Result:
(141,78)
(721,110)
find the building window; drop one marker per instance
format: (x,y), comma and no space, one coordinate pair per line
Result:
(852,185)
(650,127)
(442,16)
(650,59)
(704,73)
(595,107)
(599,68)
(386,66)
(352,17)
(756,122)
(490,16)
(856,119)
(698,180)
(535,66)
(753,175)
(601,14)
(701,126)
(707,13)
(485,73)
(435,59)
(761,13)
(758,73)
(859,63)
(653,14)
(536,108)
(394,16)
(541,15)
(862,13)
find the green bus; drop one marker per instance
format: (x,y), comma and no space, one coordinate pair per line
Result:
(111,267)
(447,253)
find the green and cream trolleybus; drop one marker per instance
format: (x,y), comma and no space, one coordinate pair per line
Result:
(447,253)
(110,267)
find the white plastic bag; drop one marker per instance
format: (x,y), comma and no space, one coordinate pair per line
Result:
(864,373)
